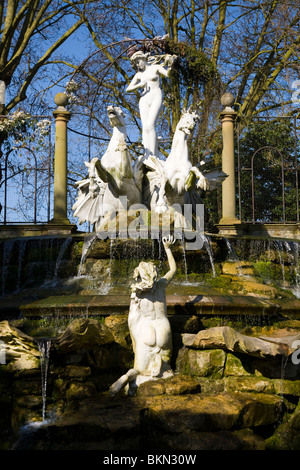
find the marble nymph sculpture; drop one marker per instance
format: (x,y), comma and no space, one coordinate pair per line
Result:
(149,326)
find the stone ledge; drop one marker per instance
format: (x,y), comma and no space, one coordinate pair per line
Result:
(74,305)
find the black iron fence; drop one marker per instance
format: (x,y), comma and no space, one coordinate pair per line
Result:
(26,183)
(268,170)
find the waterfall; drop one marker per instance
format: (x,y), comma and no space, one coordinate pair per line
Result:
(184,259)
(232,256)
(294,246)
(231,252)
(281,259)
(7,250)
(207,244)
(44,346)
(22,249)
(85,249)
(110,260)
(61,253)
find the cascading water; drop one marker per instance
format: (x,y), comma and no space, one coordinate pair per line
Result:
(22,249)
(184,259)
(207,245)
(44,346)
(7,250)
(85,249)
(62,251)
(110,260)
(232,256)
(281,258)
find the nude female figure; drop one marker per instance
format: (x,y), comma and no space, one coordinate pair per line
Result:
(149,326)
(148,80)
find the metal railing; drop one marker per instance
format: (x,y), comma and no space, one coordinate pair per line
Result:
(26,181)
(268,172)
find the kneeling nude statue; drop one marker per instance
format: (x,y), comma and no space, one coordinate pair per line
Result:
(149,326)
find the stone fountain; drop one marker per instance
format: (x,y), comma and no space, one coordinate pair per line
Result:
(149,330)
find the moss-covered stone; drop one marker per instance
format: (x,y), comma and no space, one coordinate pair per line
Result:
(79,391)
(234,366)
(201,363)
(287,387)
(287,435)
(249,384)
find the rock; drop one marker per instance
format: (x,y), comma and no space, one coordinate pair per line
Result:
(238,268)
(83,333)
(150,388)
(234,366)
(287,387)
(220,440)
(20,350)
(177,385)
(75,372)
(79,391)
(201,363)
(211,413)
(211,387)
(287,435)
(224,337)
(118,325)
(249,384)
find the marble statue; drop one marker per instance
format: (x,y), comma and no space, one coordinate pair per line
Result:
(147,79)
(148,324)
(109,178)
(149,180)
(172,179)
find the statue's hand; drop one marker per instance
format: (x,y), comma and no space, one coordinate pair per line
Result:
(168,241)
(170,59)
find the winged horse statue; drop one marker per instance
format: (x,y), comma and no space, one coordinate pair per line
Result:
(176,180)
(109,178)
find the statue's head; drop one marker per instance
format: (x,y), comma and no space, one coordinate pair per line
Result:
(188,121)
(146,275)
(116,116)
(137,57)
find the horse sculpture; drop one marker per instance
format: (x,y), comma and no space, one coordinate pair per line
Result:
(173,181)
(109,178)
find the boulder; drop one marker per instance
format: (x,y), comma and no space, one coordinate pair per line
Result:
(18,351)
(83,334)
(224,337)
(176,385)
(201,363)
(213,413)
(287,435)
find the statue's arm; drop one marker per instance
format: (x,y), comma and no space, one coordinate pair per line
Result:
(135,83)
(172,264)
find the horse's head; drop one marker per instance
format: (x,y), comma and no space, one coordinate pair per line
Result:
(116,116)
(187,121)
